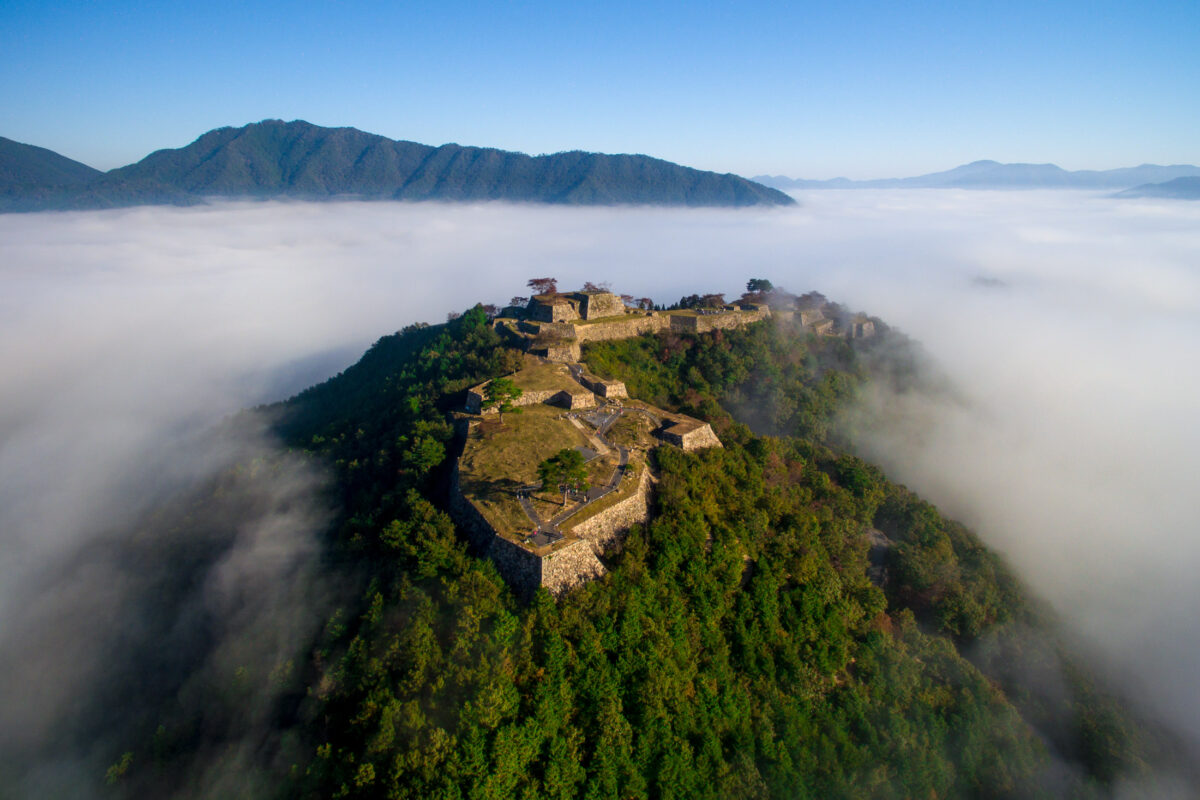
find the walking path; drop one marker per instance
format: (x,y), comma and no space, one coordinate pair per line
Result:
(547,531)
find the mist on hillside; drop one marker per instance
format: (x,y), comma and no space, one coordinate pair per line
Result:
(1066,322)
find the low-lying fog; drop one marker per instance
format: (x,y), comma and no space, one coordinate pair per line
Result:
(1070,322)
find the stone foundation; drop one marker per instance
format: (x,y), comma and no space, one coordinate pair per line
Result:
(703,323)
(603,529)
(520,568)
(570,563)
(628,327)
(551,308)
(573,564)
(594,305)
(559,353)
(603,387)
(691,436)
(556,397)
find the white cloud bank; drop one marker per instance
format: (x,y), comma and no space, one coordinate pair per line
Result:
(1077,455)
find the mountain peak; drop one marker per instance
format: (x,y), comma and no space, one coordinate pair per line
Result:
(274,158)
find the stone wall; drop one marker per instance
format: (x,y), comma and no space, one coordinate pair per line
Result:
(703,323)
(632,325)
(548,310)
(475,399)
(556,397)
(811,316)
(557,330)
(602,387)
(478,529)
(823,327)
(594,305)
(575,400)
(861,329)
(519,567)
(700,439)
(560,353)
(568,566)
(565,567)
(691,436)
(604,528)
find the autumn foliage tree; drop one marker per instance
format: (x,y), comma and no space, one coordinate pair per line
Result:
(543,285)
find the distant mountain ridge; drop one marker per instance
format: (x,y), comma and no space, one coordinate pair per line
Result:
(27,165)
(1185,188)
(994,175)
(301,160)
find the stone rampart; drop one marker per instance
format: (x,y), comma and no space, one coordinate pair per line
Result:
(475,399)
(861,329)
(574,400)
(557,330)
(556,309)
(594,305)
(479,531)
(570,565)
(604,388)
(703,323)
(567,353)
(811,316)
(690,434)
(626,328)
(519,567)
(699,439)
(604,528)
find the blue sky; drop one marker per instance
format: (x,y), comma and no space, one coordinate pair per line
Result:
(863,89)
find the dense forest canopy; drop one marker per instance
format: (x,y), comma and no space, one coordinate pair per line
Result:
(789,624)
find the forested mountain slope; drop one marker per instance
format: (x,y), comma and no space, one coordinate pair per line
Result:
(738,648)
(300,160)
(27,165)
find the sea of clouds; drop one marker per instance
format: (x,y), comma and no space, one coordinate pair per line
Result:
(1068,323)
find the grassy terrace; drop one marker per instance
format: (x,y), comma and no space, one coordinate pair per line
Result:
(499,458)
(546,377)
(631,430)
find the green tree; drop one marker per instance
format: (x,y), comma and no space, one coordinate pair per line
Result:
(565,468)
(759,285)
(500,394)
